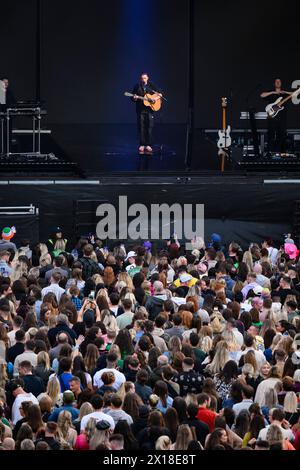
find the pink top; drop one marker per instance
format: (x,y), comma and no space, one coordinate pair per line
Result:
(81,443)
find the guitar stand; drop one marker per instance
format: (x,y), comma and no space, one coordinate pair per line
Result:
(223,153)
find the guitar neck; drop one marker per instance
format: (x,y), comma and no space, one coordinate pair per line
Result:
(143,98)
(224,118)
(295,93)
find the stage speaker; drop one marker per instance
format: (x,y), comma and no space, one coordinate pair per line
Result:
(236,155)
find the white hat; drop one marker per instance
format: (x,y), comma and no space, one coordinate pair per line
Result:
(257,290)
(131,254)
(185,277)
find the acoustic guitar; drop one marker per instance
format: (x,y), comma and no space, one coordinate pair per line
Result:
(153,100)
(274,108)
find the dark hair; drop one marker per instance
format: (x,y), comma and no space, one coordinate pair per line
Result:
(262,444)
(214,439)
(18,320)
(127,304)
(65,364)
(124,341)
(177,319)
(229,372)
(97,402)
(116,401)
(114,298)
(180,406)
(278,414)
(268,337)
(202,398)
(161,389)
(242,423)
(142,377)
(248,391)
(123,428)
(20,335)
(192,410)
(248,340)
(172,422)
(256,424)
(30,345)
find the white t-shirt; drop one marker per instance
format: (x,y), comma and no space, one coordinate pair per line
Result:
(99,416)
(120,378)
(12,337)
(259,356)
(55,289)
(273,252)
(15,411)
(287,434)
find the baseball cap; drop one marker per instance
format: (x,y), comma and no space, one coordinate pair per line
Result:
(103,425)
(131,254)
(185,277)
(258,290)
(215,238)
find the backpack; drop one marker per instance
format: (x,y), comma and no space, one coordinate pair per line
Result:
(89,268)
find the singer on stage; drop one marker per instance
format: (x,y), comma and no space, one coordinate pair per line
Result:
(145,115)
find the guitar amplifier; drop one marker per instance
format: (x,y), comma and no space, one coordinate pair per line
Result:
(297,142)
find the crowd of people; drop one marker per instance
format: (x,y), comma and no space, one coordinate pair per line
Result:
(110,349)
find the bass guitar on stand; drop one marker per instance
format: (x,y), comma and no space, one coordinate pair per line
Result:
(224,141)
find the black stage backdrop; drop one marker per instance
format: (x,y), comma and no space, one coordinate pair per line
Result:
(255,214)
(92,52)
(17,43)
(240,48)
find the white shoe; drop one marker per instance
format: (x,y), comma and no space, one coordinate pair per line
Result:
(141,149)
(149,149)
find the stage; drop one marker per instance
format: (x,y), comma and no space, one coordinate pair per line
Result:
(241,207)
(89,141)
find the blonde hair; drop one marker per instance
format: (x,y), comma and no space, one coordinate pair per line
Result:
(45,260)
(85,409)
(163,443)
(90,428)
(184,437)
(20,269)
(100,437)
(248,370)
(131,296)
(248,260)
(286,344)
(43,249)
(274,434)
(220,358)
(53,390)
(43,358)
(127,279)
(206,344)
(64,423)
(115,349)
(275,341)
(3,375)
(231,340)
(97,278)
(249,358)
(290,404)
(191,399)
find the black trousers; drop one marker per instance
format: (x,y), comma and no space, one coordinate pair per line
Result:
(145,121)
(276,135)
